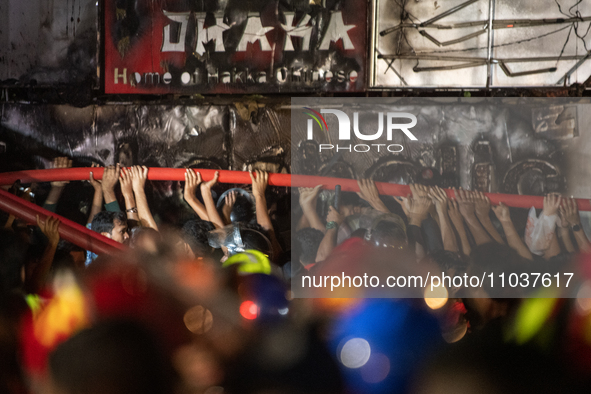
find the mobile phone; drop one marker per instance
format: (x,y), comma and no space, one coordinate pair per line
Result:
(337,196)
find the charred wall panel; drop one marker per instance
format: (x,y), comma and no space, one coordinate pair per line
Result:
(47,42)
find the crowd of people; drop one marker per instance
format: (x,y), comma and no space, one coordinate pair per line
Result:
(205,304)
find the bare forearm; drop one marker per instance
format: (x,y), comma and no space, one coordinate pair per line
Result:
(313,218)
(263,218)
(42,272)
(54,195)
(327,244)
(554,248)
(490,228)
(145,216)
(109,196)
(212,212)
(198,208)
(447,234)
(465,244)
(129,205)
(97,204)
(582,241)
(379,205)
(478,232)
(302,223)
(514,240)
(568,243)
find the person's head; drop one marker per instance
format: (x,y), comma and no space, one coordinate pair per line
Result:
(307,243)
(145,239)
(69,255)
(111,224)
(254,236)
(350,204)
(388,234)
(451,263)
(242,211)
(114,357)
(236,238)
(194,234)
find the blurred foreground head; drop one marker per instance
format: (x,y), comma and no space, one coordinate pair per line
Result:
(115,357)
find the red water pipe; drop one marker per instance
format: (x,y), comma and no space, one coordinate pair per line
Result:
(70,231)
(242,177)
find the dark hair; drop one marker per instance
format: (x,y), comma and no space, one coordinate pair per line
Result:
(12,259)
(242,211)
(306,244)
(447,260)
(350,198)
(104,221)
(386,231)
(115,357)
(195,235)
(254,236)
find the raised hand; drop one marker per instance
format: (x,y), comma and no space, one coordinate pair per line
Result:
(439,198)
(110,179)
(50,227)
(551,204)
(192,182)
(125,180)
(206,186)
(139,175)
(502,212)
(61,162)
(418,190)
(334,216)
(569,212)
(418,204)
(259,183)
(481,204)
(465,201)
(309,195)
(95,183)
(229,202)
(454,213)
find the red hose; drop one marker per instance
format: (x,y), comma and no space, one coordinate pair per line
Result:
(226,176)
(70,231)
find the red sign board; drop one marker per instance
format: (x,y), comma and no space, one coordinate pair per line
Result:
(156,47)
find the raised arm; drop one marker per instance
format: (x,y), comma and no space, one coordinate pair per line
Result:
(333,220)
(192,182)
(308,198)
(125,180)
(458,222)
(513,239)
(97,200)
(447,234)
(259,185)
(212,211)
(552,204)
(563,230)
(369,192)
(139,175)
(50,227)
(467,209)
(482,209)
(57,187)
(229,202)
(571,214)
(110,179)
(418,206)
